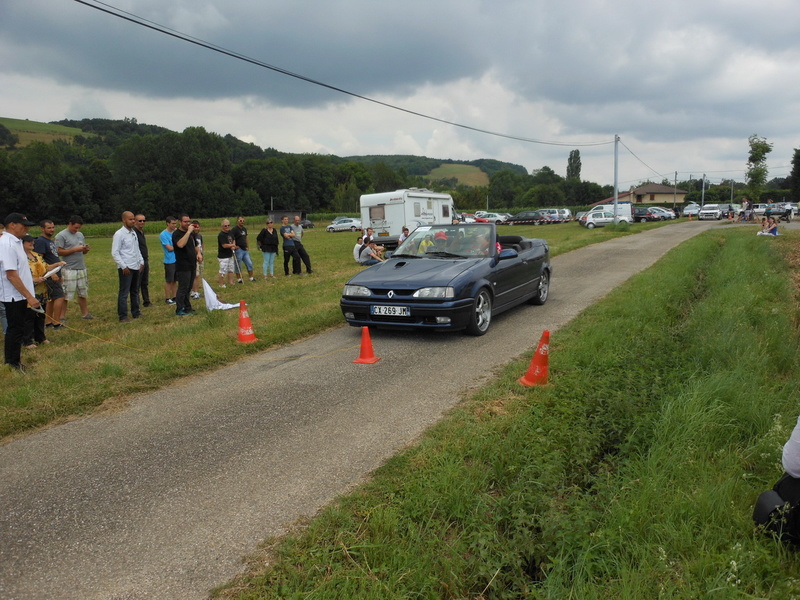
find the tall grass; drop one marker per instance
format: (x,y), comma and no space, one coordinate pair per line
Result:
(631,476)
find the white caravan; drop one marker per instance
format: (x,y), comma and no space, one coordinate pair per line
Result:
(388,212)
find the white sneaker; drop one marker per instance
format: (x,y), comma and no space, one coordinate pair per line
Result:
(223,286)
(196,295)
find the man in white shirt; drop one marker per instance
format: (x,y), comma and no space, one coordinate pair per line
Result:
(125,252)
(16,286)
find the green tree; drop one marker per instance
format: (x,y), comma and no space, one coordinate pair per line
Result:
(574,165)
(794,177)
(756,174)
(7,138)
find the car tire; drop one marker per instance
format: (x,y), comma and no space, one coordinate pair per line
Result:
(544,289)
(481,316)
(353,228)
(330,230)
(590,226)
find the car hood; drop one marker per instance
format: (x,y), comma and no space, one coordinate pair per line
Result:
(414,272)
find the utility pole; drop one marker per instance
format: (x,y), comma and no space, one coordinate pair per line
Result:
(703,194)
(616,177)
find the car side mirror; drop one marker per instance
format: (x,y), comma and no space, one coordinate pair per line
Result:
(508,253)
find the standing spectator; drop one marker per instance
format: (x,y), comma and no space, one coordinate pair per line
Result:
(289,250)
(75,279)
(225,249)
(298,244)
(200,271)
(45,245)
(187,255)
(170,285)
(33,331)
(16,286)
(242,252)
(144,272)
(268,243)
(125,252)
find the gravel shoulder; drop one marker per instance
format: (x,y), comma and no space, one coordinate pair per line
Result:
(163,498)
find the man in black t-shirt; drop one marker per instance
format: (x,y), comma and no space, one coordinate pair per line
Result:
(242,249)
(225,248)
(187,255)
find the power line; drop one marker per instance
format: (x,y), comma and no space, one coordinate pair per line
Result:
(135,19)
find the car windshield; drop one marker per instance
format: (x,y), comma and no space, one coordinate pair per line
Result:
(448,241)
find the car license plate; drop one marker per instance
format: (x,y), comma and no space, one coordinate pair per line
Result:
(391,311)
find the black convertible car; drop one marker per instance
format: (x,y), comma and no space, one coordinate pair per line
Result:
(449,277)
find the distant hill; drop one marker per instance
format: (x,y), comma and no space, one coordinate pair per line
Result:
(34,131)
(103,135)
(423,166)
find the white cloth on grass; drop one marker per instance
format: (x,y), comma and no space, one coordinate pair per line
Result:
(212,302)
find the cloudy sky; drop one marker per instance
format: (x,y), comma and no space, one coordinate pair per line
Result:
(683,83)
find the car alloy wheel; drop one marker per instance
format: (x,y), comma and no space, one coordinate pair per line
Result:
(481,316)
(544,289)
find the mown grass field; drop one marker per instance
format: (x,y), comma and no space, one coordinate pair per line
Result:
(101,362)
(466,174)
(632,475)
(34,131)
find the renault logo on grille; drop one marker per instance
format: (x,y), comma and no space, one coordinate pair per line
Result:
(391,294)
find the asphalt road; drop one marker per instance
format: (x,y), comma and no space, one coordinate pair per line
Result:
(163,498)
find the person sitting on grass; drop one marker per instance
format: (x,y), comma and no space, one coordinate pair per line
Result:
(769,228)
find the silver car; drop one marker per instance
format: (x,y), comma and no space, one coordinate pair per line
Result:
(347,224)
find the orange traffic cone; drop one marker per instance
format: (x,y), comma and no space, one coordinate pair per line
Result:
(367,355)
(246,333)
(537,372)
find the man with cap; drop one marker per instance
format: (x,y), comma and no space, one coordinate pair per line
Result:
(16,286)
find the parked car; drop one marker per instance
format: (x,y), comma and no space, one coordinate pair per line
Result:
(691,209)
(712,211)
(496,218)
(597,218)
(528,217)
(307,224)
(759,209)
(642,214)
(467,218)
(666,213)
(553,214)
(565,214)
(459,283)
(346,224)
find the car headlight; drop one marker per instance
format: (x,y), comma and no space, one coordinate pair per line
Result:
(441,293)
(356,290)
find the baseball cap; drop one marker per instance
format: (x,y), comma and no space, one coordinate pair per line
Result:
(18,218)
(440,235)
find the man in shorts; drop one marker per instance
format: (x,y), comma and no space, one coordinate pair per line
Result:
(225,249)
(71,247)
(170,283)
(45,245)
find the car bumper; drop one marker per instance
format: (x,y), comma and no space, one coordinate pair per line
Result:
(453,314)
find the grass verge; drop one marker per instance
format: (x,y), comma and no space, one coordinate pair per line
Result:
(631,476)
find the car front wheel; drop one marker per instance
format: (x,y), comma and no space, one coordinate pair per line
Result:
(590,225)
(481,315)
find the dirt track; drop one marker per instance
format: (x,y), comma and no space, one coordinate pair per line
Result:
(162,499)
